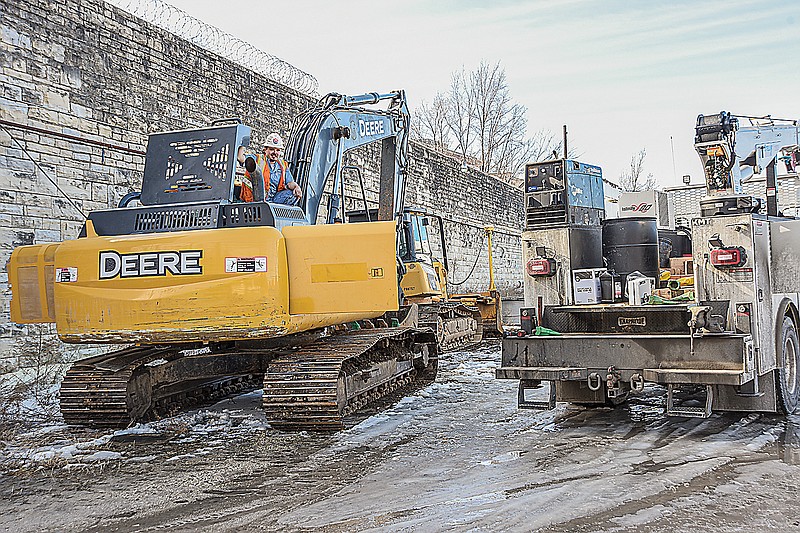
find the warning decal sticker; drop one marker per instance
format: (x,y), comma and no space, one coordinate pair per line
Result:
(67,275)
(245,264)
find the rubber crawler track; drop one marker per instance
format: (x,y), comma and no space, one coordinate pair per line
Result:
(456,325)
(312,388)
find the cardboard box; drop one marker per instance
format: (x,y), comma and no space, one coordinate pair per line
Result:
(663,293)
(639,290)
(681,266)
(586,285)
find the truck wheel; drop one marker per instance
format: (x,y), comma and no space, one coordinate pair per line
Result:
(787,374)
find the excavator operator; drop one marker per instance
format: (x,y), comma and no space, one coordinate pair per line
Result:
(281,187)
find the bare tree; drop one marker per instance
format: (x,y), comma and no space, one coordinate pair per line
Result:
(459,116)
(490,105)
(432,122)
(634,180)
(477,118)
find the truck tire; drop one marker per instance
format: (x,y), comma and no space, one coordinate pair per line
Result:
(787,374)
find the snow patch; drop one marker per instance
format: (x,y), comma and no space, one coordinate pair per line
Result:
(512,455)
(180,457)
(101,456)
(57,443)
(642,517)
(143,459)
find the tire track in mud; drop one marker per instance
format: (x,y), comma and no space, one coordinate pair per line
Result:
(459,456)
(261,494)
(653,455)
(705,484)
(715,443)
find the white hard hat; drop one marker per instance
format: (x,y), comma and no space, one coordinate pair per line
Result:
(274,141)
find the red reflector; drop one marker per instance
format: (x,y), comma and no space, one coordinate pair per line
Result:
(541,267)
(728,257)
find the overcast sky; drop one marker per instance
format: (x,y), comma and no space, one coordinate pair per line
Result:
(621,75)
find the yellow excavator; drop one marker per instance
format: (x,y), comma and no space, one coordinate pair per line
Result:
(426,279)
(456,323)
(215,295)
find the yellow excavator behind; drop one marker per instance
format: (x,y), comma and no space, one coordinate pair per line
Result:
(426,279)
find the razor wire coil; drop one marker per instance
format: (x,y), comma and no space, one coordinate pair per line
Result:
(213,39)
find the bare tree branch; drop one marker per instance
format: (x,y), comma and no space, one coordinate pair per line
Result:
(633,180)
(459,117)
(432,123)
(478,119)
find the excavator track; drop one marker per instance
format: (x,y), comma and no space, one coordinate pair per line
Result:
(315,387)
(310,386)
(113,390)
(456,325)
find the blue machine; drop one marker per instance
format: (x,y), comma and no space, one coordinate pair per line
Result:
(563,192)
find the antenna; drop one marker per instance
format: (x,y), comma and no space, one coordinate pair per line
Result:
(672,146)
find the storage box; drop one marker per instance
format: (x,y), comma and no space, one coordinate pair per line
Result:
(681,266)
(663,293)
(639,290)
(586,285)
(647,204)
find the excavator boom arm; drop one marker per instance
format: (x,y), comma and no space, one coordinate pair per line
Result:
(321,136)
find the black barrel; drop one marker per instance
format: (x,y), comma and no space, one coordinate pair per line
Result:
(631,244)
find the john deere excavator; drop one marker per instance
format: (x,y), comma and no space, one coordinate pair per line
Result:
(215,295)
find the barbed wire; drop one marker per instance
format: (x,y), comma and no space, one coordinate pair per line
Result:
(214,40)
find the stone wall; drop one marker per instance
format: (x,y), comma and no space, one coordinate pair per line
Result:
(84,83)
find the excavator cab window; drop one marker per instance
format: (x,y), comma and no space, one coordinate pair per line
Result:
(422,246)
(414,244)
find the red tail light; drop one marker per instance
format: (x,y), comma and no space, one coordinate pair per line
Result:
(732,256)
(541,267)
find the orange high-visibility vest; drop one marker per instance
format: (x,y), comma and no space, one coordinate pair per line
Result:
(246,194)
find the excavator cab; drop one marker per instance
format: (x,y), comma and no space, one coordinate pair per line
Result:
(189,184)
(425,277)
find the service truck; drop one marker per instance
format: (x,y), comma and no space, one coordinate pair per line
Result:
(733,345)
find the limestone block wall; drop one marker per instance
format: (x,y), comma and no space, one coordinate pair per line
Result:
(82,84)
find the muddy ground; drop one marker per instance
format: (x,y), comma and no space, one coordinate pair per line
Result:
(455,456)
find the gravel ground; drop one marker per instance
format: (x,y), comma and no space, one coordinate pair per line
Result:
(454,456)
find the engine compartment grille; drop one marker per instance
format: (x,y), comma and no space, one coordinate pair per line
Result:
(175,219)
